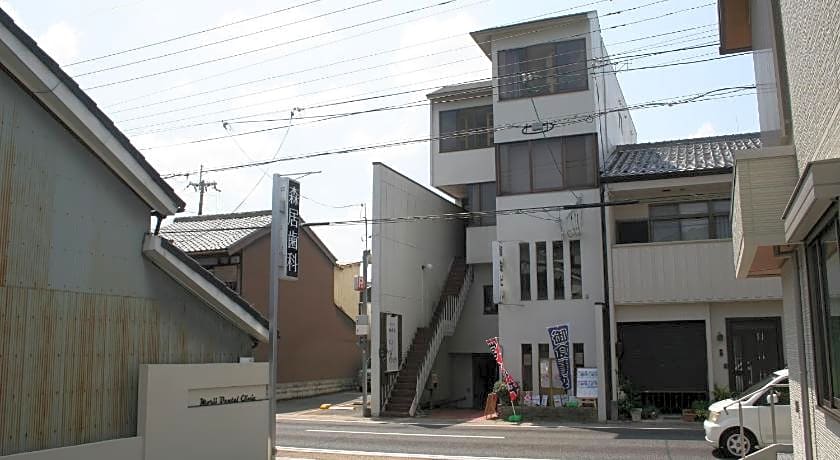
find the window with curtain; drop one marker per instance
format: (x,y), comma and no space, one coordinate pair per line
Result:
(543,69)
(524,271)
(695,220)
(542,271)
(575,263)
(823,254)
(458,128)
(543,165)
(480,198)
(557,270)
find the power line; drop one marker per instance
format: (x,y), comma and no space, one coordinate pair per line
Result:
(233,119)
(566,120)
(320,45)
(256,50)
(548,69)
(263,130)
(514,35)
(341,74)
(225,40)
(191,34)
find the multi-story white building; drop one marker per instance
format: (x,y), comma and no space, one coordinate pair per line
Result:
(785,220)
(528,151)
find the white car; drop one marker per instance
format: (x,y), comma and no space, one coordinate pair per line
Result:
(722,428)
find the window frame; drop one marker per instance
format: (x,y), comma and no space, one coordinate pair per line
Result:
(464,139)
(490,308)
(710,215)
(819,311)
(594,165)
(573,263)
(475,190)
(525,276)
(549,74)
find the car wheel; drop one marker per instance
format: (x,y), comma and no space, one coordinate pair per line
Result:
(733,446)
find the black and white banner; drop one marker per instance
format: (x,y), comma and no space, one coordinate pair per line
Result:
(559,336)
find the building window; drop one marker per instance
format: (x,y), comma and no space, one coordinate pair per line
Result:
(524,271)
(465,129)
(575,263)
(490,308)
(539,70)
(481,198)
(697,220)
(547,164)
(527,382)
(542,271)
(559,277)
(632,232)
(824,283)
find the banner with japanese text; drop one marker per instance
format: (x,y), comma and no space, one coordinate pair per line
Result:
(559,336)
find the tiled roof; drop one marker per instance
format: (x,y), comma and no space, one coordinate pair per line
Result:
(217,232)
(683,157)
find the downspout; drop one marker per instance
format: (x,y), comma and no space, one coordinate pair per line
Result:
(605,316)
(159,218)
(800,349)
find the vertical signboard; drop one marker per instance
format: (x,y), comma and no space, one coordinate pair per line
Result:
(498,276)
(292,230)
(559,336)
(392,356)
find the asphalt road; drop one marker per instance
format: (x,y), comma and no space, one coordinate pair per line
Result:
(303,438)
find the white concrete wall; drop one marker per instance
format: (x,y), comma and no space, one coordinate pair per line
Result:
(398,252)
(683,271)
(460,167)
(518,111)
(123,449)
(478,244)
(474,326)
(173,427)
(526,321)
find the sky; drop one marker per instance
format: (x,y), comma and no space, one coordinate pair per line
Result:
(320,52)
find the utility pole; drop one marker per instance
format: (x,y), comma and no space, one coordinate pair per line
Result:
(363,340)
(201,187)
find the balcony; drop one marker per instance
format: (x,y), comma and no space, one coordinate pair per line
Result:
(683,271)
(764,180)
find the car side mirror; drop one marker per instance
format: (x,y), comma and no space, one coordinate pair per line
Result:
(773,398)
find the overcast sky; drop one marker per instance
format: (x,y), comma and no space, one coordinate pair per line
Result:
(414,51)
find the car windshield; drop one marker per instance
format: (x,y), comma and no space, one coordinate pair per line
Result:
(761,383)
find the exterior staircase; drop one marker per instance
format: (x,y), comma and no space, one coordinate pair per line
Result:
(404,397)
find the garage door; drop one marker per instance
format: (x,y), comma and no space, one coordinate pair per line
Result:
(664,356)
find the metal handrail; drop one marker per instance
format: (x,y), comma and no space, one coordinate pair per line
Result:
(451,311)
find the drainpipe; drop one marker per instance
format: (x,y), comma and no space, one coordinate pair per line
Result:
(800,349)
(606,326)
(159,220)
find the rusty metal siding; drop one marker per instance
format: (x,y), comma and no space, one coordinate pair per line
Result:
(80,307)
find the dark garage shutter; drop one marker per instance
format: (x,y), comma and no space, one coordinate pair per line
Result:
(664,356)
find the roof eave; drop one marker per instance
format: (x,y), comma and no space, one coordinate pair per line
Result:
(191,276)
(57,93)
(666,175)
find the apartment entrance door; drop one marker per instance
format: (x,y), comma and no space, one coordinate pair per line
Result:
(755,350)
(485,374)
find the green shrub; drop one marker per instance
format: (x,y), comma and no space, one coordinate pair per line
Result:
(701,409)
(721,393)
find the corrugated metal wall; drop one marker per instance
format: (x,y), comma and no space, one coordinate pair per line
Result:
(80,308)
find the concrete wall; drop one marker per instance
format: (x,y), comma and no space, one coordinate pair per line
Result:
(398,252)
(518,111)
(479,240)
(813,69)
(173,423)
(475,327)
(344,293)
(461,167)
(526,321)
(317,339)
(77,298)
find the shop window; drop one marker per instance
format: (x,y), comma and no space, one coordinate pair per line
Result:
(527,367)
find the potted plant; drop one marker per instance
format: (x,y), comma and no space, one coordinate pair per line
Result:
(700,409)
(629,401)
(636,414)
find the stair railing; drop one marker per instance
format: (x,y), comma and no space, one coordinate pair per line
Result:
(453,305)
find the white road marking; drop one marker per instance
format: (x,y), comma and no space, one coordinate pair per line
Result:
(481,425)
(396,454)
(422,435)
